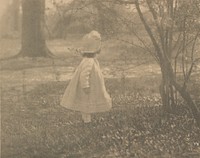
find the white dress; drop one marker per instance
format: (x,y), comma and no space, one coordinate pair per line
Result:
(87,75)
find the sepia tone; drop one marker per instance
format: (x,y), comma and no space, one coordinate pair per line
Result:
(146,67)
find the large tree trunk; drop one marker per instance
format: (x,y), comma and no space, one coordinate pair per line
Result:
(33,37)
(167,69)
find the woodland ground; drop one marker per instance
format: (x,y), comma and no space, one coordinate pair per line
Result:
(34,125)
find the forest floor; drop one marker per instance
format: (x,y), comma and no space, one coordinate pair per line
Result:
(33,124)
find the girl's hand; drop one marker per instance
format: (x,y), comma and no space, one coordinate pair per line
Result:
(86,90)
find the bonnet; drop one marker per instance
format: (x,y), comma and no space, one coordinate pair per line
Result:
(91,42)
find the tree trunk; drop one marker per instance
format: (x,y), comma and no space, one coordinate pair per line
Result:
(167,91)
(33,37)
(183,92)
(186,96)
(169,83)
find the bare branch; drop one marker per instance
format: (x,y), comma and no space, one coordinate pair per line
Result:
(159,27)
(149,31)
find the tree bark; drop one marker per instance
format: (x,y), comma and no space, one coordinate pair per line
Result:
(184,94)
(33,38)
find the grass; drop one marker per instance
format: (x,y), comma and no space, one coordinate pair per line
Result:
(33,124)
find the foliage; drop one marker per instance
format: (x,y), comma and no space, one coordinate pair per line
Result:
(83,16)
(34,125)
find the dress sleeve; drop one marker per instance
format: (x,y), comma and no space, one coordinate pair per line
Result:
(85,73)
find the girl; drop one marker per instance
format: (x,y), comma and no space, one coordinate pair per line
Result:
(86,91)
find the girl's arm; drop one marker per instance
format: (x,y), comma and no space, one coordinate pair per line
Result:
(85,74)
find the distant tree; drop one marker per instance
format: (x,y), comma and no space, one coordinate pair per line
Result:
(80,16)
(33,43)
(10,20)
